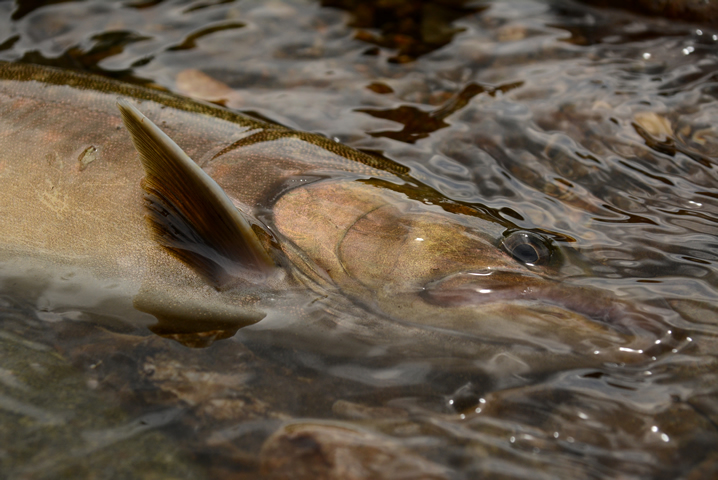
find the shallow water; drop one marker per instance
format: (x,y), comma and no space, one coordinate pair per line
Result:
(598,126)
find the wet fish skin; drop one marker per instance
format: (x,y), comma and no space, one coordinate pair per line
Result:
(64,214)
(356,246)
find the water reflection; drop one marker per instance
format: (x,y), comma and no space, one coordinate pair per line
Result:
(410,29)
(596,125)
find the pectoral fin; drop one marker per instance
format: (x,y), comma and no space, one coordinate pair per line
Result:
(195,319)
(189,213)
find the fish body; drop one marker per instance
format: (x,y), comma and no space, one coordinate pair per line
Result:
(298,238)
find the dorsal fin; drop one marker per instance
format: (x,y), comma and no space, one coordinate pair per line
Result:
(189,213)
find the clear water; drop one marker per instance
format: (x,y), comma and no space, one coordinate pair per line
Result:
(598,125)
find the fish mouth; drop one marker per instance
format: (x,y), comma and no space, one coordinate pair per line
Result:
(479,288)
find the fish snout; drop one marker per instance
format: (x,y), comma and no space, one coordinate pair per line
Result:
(480,288)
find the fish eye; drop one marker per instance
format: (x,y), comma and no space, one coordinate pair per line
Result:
(527,247)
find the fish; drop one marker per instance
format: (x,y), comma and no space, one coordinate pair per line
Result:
(157,210)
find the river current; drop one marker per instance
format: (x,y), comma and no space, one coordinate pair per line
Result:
(597,125)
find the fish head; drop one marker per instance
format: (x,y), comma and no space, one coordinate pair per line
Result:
(453,274)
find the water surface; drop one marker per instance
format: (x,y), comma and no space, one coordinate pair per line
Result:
(596,125)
